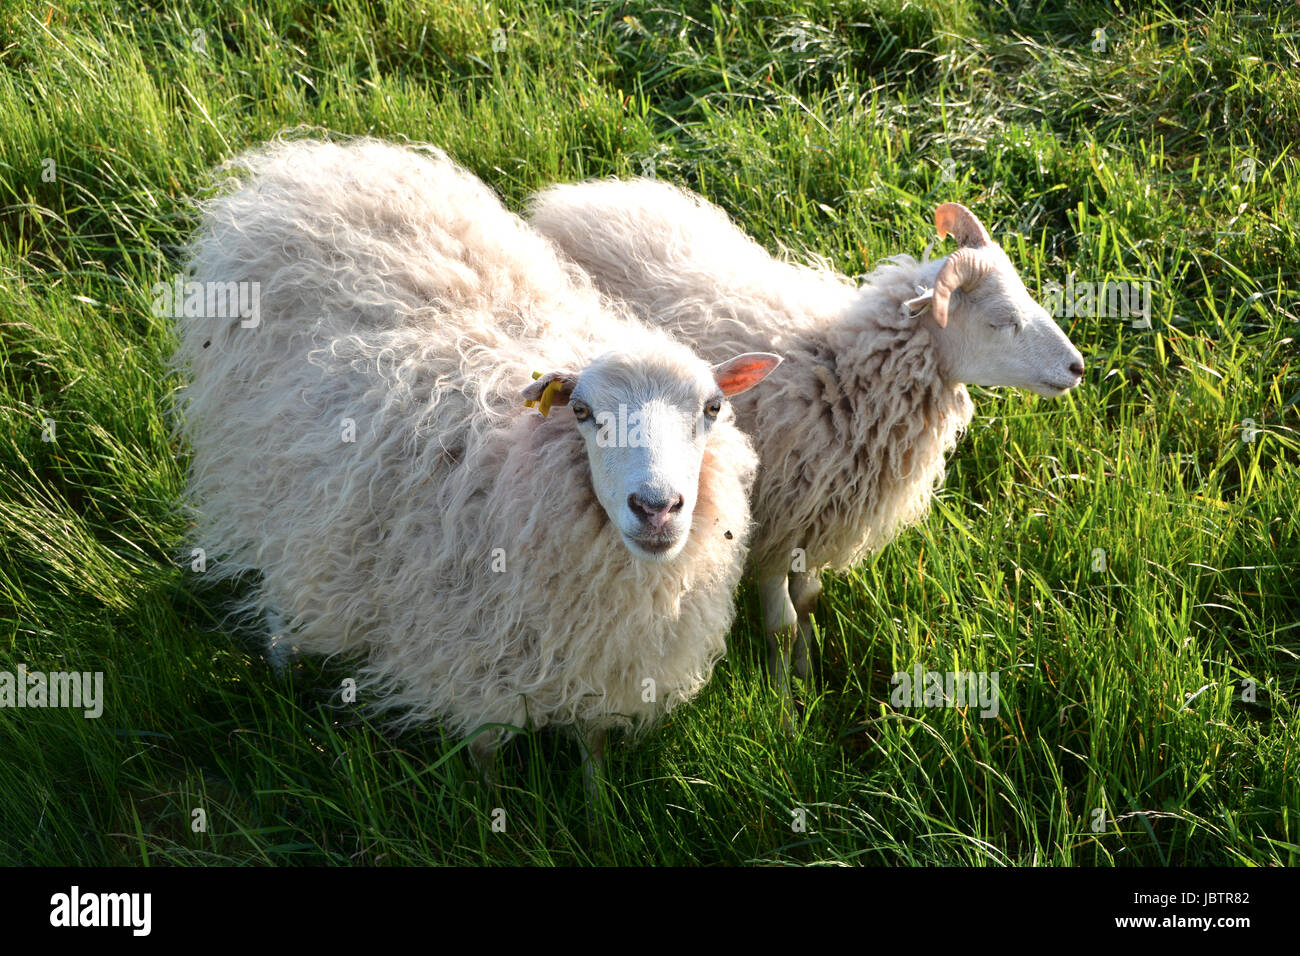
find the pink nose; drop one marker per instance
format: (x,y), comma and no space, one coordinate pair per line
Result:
(655,512)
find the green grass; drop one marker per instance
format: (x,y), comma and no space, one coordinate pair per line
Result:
(825,127)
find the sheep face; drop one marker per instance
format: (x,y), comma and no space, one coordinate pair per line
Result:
(646,425)
(998,335)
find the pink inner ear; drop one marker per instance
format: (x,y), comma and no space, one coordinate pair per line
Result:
(954,219)
(744,372)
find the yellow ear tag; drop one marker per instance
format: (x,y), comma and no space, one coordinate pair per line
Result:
(530,403)
(548,396)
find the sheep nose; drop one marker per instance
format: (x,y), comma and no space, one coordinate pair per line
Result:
(655,512)
(1076,367)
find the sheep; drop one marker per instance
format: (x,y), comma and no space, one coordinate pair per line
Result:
(361,451)
(853,432)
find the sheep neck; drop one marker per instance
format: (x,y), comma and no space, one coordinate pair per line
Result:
(867,390)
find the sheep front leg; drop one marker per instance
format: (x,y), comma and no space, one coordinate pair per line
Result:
(483,751)
(280,651)
(781,623)
(805,589)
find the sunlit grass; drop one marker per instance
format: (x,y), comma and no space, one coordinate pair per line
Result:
(1125,558)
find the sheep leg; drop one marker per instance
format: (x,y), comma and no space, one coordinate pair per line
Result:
(280,651)
(483,751)
(593,761)
(781,623)
(805,589)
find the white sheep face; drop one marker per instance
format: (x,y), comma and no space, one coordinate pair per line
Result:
(646,425)
(998,335)
(989,329)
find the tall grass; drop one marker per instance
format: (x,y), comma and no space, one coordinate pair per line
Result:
(1148,701)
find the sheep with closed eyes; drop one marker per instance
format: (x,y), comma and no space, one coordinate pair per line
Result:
(853,429)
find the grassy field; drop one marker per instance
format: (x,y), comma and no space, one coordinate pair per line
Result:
(1124,558)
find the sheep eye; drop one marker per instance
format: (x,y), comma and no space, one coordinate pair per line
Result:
(713,408)
(1005,322)
(580,411)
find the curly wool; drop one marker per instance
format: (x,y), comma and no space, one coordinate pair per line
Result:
(853,429)
(398,294)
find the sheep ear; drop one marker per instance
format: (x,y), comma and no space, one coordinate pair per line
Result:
(964,269)
(553,388)
(743,372)
(954,219)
